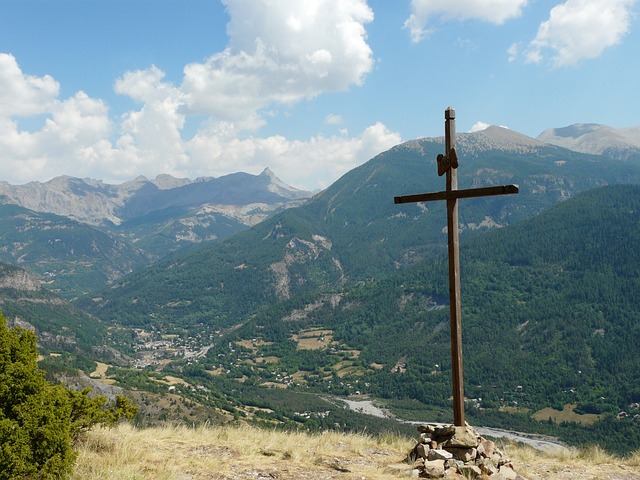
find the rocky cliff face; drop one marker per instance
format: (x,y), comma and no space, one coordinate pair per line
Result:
(86,200)
(18,279)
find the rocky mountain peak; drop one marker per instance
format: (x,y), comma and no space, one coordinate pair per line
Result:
(166,181)
(268,173)
(498,138)
(620,143)
(281,188)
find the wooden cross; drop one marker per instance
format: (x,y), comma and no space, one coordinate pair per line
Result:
(448,164)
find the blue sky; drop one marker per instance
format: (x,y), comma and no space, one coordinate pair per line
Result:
(113,89)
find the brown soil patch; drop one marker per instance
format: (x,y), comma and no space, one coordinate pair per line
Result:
(100,371)
(267,360)
(169,380)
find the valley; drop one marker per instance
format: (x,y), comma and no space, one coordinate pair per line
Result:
(343,295)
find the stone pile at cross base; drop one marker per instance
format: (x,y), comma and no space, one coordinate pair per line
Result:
(448,451)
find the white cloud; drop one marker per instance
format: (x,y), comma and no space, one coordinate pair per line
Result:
(22,94)
(71,127)
(79,120)
(312,164)
(579,29)
(153,133)
(479,126)
(493,11)
(79,139)
(145,85)
(513,51)
(333,119)
(280,52)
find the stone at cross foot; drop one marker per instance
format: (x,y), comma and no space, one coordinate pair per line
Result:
(448,164)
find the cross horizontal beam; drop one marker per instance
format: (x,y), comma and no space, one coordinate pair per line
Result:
(455,194)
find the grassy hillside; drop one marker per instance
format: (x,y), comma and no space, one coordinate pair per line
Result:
(240,452)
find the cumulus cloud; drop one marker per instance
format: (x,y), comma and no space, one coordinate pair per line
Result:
(153,133)
(22,94)
(279,52)
(493,11)
(71,127)
(314,163)
(479,126)
(145,85)
(579,29)
(78,138)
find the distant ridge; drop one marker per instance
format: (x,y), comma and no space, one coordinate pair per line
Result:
(593,138)
(499,138)
(98,203)
(491,138)
(352,231)
(80,233)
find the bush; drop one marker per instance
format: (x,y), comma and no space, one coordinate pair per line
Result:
(39,422)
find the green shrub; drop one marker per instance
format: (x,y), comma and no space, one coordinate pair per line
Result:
(39,422)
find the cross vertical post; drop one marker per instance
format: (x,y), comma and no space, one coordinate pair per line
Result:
(448,163)
(454,273)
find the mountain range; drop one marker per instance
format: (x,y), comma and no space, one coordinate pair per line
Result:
(349,271)
(352,231)
(617,143)
(81,233)
(97,203)
(346,292)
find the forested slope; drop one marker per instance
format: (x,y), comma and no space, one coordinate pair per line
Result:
(352,232)
(551,317)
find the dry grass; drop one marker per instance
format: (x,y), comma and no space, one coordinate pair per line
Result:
(100,371)
(566,415)
(243,452)
(634,459)
(236,452)
(589,463)
(169,380)
(314,339)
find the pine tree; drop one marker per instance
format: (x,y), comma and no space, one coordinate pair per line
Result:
(39,422)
